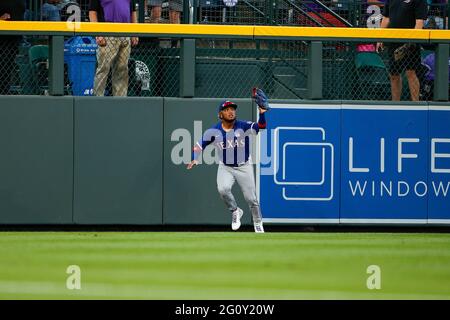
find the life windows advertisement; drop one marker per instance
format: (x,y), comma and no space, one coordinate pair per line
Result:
(355,164)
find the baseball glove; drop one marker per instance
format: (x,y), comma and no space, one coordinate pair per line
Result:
(261,99)
(402,51)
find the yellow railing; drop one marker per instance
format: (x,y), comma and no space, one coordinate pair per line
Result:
(199,31)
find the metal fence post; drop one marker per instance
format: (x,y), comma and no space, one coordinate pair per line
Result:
(446,24)
(37,11)
(186,12)
(269,14)
(194,12)
(141,12)
(441,72)
(56,67)
(315,67)
(187,68)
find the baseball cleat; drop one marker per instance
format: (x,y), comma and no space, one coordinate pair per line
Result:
(259,227)
(236,219)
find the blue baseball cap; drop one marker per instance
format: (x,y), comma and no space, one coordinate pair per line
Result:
(225,104)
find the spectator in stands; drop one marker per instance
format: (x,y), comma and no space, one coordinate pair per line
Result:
(113,51)
(436,12)
(50,10)
(405,14)
(429,76)
(10,10)
(175,8)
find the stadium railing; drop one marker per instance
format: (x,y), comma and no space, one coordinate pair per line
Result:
(224,61)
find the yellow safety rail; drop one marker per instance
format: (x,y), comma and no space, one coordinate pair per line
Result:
(209,31)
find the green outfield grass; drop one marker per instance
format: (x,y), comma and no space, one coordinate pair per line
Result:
(224,265)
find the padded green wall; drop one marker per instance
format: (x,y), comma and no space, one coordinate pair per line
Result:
(118,160)
(36,160)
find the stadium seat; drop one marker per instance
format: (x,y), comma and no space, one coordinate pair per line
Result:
(372,77)
(38,59)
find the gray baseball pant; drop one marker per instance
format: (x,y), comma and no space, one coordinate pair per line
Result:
(226,176)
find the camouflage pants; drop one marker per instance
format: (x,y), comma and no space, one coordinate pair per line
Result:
(114,55)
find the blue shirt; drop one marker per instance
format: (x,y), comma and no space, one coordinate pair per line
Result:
(233,146)
(50,12)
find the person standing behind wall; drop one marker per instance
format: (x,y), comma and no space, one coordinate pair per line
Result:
(404,14)
(50,10)
(113,51)
(175,8)
(10,10)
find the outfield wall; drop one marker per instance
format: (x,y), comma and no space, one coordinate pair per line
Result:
(104,161)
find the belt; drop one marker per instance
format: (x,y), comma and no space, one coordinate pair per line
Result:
(236,165)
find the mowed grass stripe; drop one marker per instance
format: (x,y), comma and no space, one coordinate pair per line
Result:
(101,291)
(225,265)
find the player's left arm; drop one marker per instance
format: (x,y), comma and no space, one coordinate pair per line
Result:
(262,123)
(256,126)
(262,101)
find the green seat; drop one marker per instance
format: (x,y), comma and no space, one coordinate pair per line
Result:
(369,60)
(38,52)
(372,77)
(38,59)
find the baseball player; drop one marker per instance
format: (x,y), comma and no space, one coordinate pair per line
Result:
(231,138)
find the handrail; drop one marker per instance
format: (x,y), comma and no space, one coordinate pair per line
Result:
(334,14)
(304,13)
(223,31)
(260,12)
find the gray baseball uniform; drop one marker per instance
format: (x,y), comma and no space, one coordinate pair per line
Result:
(234,152)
